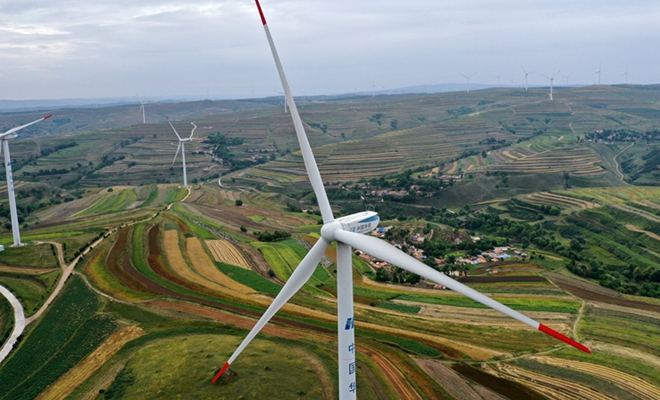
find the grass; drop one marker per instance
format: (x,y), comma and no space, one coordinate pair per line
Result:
(284,258)
(250,279)
(31,290)
(30,256)
(6,319)
(112,203)
(399,307)
(520,304)
(183,366)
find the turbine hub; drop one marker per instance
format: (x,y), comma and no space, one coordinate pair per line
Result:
(328,230)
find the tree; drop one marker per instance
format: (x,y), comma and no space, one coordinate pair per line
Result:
(239,203)
(243,229)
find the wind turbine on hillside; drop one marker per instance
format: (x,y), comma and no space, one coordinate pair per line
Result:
(144,120)
(526,75)
(11,134)
(626,74)
(468,80)
(551,80)
(349,232)
(598,73)
(182,147)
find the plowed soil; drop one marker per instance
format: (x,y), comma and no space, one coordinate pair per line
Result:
(225,252)
(501,279)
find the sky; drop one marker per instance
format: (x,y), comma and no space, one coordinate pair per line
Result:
(217,49)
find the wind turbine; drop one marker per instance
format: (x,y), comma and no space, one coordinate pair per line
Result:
(498,79)
(626,74)
(551,80)
(11,134)
(349,232)
(144,120)
(468,80)
(182,147)
(597,72)
(526,75)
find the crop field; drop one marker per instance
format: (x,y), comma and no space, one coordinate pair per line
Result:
(157,307)
(225,252)
(284,257)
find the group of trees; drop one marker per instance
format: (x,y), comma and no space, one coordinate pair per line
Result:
(267,236)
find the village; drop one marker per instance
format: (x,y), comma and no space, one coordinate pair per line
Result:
(454,265)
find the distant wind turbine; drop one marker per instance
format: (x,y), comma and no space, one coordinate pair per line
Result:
(144,120)
(551,80)
(182,147)
(350,232)
(498,79)
(468,80)
(598,73)
(626,74)
(11,134)
(526,75)
(566,79)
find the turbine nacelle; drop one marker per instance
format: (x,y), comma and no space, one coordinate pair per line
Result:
(362,223)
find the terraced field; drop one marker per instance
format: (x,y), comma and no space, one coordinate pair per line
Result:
(223,251)
(577,161)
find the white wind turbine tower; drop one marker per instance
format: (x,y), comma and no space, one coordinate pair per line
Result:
(626,74)
(468,80)
(182,147)
(144,119)
(597,73)
(349,232)
(551,80)
(526,75)
(11,134)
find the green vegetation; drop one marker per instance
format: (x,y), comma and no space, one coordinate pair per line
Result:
(399,307)
(112,203)
(200,355)
(6,319)
(250,279)
(53,347)
(520,304)
(31,290)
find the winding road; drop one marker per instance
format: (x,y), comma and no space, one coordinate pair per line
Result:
(19,323)
(616,163)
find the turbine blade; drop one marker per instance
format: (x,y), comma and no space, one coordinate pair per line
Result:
(386,252)
(308,156)
(177,133)
(293,285)
(193,130)
(177,153)
(18,128)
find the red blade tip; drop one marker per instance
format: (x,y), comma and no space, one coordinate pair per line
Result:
(222,371)
(48,116)
(261,13)
(563,338)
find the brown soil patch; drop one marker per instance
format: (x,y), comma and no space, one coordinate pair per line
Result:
(626,352)
(225,252)
(554,388)
(229,318)
(633,384)
(636,229)
(118,270)
(258,262)
(26,270)
(392,373)
(587,291)
(205,267)
(500,279)
(453,383)
(83,370)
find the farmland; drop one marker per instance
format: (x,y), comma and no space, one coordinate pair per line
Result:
(181,275)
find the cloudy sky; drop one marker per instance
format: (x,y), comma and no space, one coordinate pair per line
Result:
(101,48)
